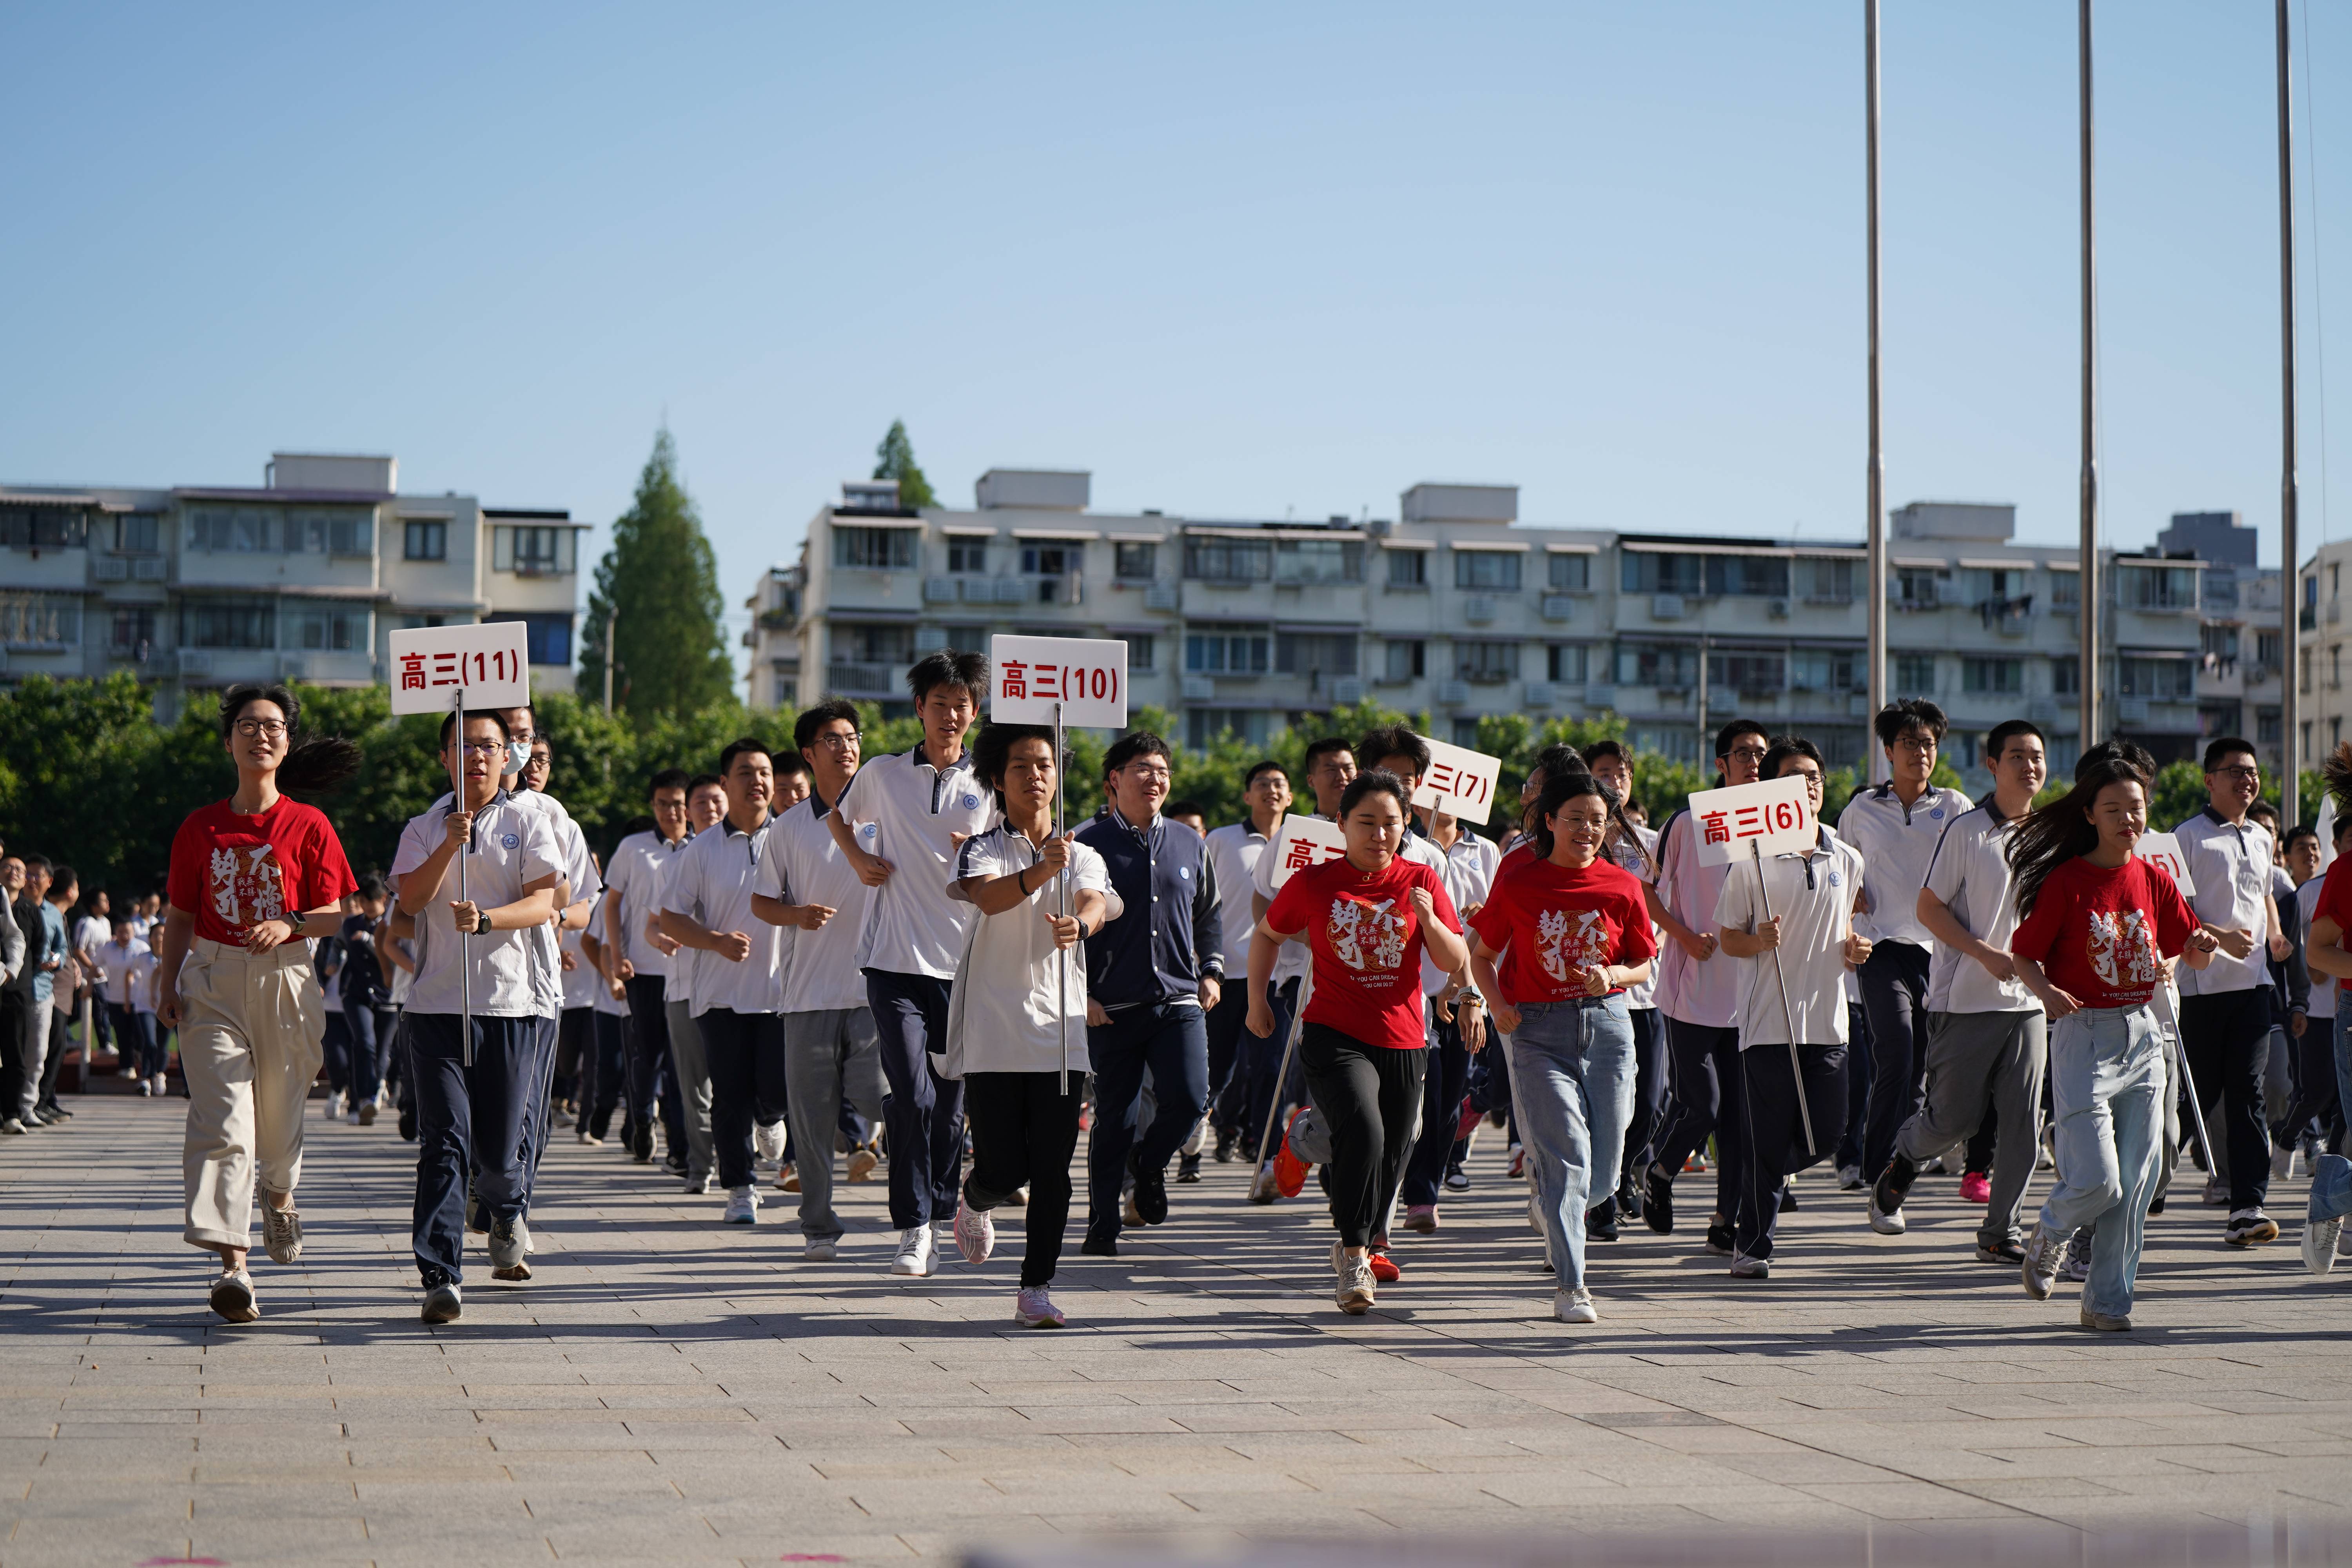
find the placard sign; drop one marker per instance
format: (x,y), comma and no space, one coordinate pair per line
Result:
(491,662)
(1306,841)
(1087,676)
(1460,782)
(2164,850)
(1774,817)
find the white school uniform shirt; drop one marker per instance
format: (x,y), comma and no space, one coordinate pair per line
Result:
(1468,872)
(1970,874)
(511,845)
(803,865)
(2231,865)
(640,864)
(114,960)
(717,876)
(580,981)
(1896,842)
(1005,1013)
(139,979)
(1702,993)
(2323,987)
(1645,994)
(601,997)
(1233,853)
(907,812)
(577,867)
(1811,894)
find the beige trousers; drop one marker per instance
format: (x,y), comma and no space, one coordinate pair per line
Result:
(250,1043)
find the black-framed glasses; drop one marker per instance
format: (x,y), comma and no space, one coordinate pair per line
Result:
(273,728)
(2241,774)
(837,741)
(1748,753)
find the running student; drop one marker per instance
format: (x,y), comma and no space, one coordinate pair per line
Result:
(1016,1035)
(250,876)
(1988,1045)
(1365,918)
(1573,933)
(1233,853)
(632,957)
(1634,847)
(2097,924)
(129,967)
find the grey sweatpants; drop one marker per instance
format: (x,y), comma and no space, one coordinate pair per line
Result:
(693,1086)
(830,1054)
(1976,1059)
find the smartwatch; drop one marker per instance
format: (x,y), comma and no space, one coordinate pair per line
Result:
(482,923)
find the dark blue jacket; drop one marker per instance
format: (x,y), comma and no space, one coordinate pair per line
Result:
(1170,934)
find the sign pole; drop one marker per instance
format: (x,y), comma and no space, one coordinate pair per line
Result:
(1289,1047)
(465,938)
(1796,1067)
(1062,961)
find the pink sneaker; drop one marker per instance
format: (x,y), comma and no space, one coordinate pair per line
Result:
(975,1233)
(1975,1188)
(1421,1218)
(1033,1309)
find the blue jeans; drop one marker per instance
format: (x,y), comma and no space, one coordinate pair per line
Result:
(1572,1071)
(2331,1186)
(2107,1085)
(367,1045)
(2342,1028)
(1172,1040)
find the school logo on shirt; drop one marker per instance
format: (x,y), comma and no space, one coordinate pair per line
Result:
(1367,934)
(2121,953)
(509,840)
(1570,939)
(869,830)
(970,801)
(246,885)
(1937,813)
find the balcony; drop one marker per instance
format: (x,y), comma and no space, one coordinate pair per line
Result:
(995,590)
(1199,689)
(1478,609)
(1558,607)
(940,591)
(1600,697)
(1668,607)
(196,663)
(2010,618)
(1541,694)
(1168,596)
(862,680)
(1453,693)
(1347,690)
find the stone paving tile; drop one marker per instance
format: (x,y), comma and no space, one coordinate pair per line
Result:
(670,1391)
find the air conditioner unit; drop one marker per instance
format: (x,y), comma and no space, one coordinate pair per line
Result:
(149,570)
(1478,609)
(1199,689)
(1558,607)
(1600,697)
(111,568)
(939,590)
(1163,596)
(1012,590)
(1668,607)
(2132,710)
(1541,694)
(195,661)
(1778,609)
(294,667)
(1453,693)
(2042,710)
(1348,688)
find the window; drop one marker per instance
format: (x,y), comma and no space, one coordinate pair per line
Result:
(2269,728)
(134,630)
(1673,667)
(427,540)
(1487,663)
(1762,577)
(1133,560)
(2218,641)
(1486,570)
(536,551)
(1142,649)
(1824,668)
(1915,587)
(1307,560)
(2158,587)
(342,531)
(1649,572)
(1408,568)
(1226,653)
(2065,589)
(874,645)
(1566,662)
(874,549)
(1466,733)
(2159,679)
(2066,677)
(1993,676)
(1048,559)
(1303,653)
(138,533)
(550,636)
(970,554)
(1407,661)
(1570,573)
(1830,582)
(1203,725)
(228,623)
(411,623)
(2266,650)
(239,531)
(1228,560)
(1737,669)
(43,527)
(324,625)
(39,620)
(1914,674)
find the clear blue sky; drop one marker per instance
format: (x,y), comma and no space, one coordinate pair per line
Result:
(1237,260)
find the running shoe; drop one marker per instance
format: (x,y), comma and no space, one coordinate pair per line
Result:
(1099,1245)
(1384,1268)
(1886,1196)
(1187,1169)
(163,1086)
(1033,1309)
(1228,1145)
(2044,1250)
(1574,1306)
(1849,1178)
(2282,1163)
(862,1162)
(821,1249)
(1289,1170)
(697,1182)
(2319,1239)
(367,1112)
(1787,1199)
(1457,1180)
(2076,1268)
(916,1258)
(1600,1223)
(742,1205)
(442,1305)
(1353,1290)
(2005,1250)
(1465,1120)
(1745,1268)
(975,1233)
(1718,1239)
(1421,1219)
(1018,1198)
(1976,1188)
(788,1179)
(2105,1323)
(768,1141)
(146,1088)
(233,1298)
(1658,1201)
(510,1249)
(282,1233)
(1519,1158)
(333,1110)
(1150,1193)
(1200,1136)
(1265,1187)
(2249,1227)
(2217,1192)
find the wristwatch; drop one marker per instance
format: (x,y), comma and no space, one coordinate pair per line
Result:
(481,922)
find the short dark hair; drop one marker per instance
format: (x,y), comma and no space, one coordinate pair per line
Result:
(1264,765)
(2264,808)
(813,721)
(2223,747)
(700,780)
(1558,758)
(1905,713)
(371,884)
(1998,737)
(2295,836)
(1606,748)
(1375,781)
(1324,748)
(1184,809)
(234,701)
(1387,741)
(948,667)
(1737,728)
(1784,747)
(63,880)
(449,725)
(993,752)
(788,764)
(736,748)
(1133,744)
(665,778)
(36,862)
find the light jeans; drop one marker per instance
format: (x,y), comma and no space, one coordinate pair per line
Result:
(1573,1069)
(2342,1024)
(37,1056)
(2331,1186)
(2107,1083)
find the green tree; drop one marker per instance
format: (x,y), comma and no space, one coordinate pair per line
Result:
(895,460)
(660,579)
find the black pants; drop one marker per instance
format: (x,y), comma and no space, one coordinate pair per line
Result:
(58,1018)
(2228,1041)
(575,1054)
(1025,1132)
(924,1113)
(1894,993)
(1442,1083)
(1369,1093)
(745,1053)
(468,1118)
(648,1046)
(1169,1041)
(599,1096)
(16,1020)
(1773,1134)
(2316,1096)
(1649,1098)
(1227,1082)
(1703,1100)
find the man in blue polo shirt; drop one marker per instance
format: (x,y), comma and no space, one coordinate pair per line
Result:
(1153,974)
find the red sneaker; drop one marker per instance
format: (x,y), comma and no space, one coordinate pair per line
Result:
(1466,1120)
(1976,1188)
(1384,1269)
(1289,1170)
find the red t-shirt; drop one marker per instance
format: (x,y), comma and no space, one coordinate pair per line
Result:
(231,871)
(2335,902)
(1517,856)
(1366,941)
(1546,919)
(2098,933)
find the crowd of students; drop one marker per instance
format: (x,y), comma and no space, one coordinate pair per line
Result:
(909,963)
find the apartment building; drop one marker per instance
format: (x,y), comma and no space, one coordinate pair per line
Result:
(1457,608)
(2324,718)
(301,578)
(2242,622)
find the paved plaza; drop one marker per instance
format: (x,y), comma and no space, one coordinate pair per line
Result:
(671,1391)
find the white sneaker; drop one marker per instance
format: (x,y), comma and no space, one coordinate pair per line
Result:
(163,1084)
(1574,1306)
(1849,1178)
(821,1249)
(2320,1238)
(1200,1136)
(1352,1289)
(146,1089)
(917,1255)
(351,1118)
(768,1141)
(334,1108)
(2282,1164)
(742,1205)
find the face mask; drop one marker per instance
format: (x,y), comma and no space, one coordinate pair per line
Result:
(518,753)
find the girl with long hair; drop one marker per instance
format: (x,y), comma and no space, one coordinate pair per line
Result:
(251,876)
(2097,927)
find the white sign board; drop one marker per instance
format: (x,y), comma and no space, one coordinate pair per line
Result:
(1087,676)
(1774,817)
(1460,782)
(1306,841)
(491,663)
(2164,849)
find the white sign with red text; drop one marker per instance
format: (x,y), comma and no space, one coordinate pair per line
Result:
(1306,841)
(490,662)
(1773,817)
(2164,849)
(1460,782)
(1087,676)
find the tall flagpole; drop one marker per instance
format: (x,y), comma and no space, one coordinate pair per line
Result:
(1875,483)
(2290,573)
(2088,665)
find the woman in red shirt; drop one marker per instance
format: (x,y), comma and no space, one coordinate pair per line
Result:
(2098,929)
(249,874)
(1572,932)
(1364,1039)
